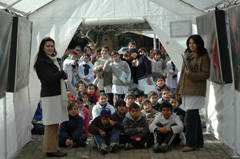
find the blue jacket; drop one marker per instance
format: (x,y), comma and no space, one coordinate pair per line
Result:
(72,129)
(38,113)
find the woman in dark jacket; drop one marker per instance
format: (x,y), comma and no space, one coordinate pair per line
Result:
(53,95)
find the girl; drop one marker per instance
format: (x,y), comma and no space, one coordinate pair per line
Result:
(102,103)
(84,113)
(85,70)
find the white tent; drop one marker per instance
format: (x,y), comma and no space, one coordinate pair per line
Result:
(59,19)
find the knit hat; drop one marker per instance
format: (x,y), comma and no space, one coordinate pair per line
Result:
(133,50)
(129,94)
(166,104)
(105,112)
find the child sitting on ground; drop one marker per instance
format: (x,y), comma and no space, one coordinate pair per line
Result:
(175,105)
(38,127)
(103,103)
(165,95)
(70,97)
(147,111)
(71,132)
(84,113)
(105,131)
(167,128)
(92,96)
(118,116)
(153,97)
(136,127)
(129,99)
(161,84)
(139,95)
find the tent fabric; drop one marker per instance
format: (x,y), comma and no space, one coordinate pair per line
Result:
(60,19)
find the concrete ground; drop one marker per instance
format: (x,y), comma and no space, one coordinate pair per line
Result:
(213,149)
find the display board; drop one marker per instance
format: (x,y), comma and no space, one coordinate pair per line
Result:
(234,23)
(212,28)
(19,65)
(5,44)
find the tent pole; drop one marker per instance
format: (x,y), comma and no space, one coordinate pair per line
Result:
(235,155)
(154,42)
(5,127)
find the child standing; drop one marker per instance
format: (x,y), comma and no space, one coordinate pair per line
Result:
(71,132)
(153,97)
(84,113)
(167,126)
(158,65)
(172,73)
(103,103)
(105,131)
(117,67)
(70,65)
(85,70)
(147,111)
(136,127)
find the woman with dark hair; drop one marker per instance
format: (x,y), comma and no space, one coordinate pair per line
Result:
(192,88)
(53,95)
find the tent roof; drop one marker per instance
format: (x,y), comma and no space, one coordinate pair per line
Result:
(29,6)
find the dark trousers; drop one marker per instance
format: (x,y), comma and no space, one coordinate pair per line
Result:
(110,98)
(80,142)
(140,144)
(168,138)
(194,136)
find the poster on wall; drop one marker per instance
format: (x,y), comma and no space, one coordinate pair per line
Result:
(20,54)
(212,29)
(5,44)
(234,24)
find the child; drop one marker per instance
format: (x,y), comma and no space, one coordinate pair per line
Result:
(105,131)
(172,73)
(144,68)
(160,85)
(153,97)
(139,96)
(96,55)
(147,111)
(167,126)
(136,127)
(84,97)
(38,127)
(70,65)
(127,57)
(103,103)
(85,70)
(158,65)
(117,67)
(175,105)
(92,96)
(132,44)
(71,132)
(79,87)
(70,97)
(118,116)
(129,99)
(165,95)
(84,113)
(105,78)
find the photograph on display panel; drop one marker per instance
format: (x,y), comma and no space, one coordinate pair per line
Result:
(234,23)
(5,44)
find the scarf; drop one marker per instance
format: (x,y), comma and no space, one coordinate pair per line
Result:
(62,83)
(86,69)
(193,57)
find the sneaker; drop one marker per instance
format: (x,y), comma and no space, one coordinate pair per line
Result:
(113,147)
(162,148)
(145,145)
(128,146)
(104,149)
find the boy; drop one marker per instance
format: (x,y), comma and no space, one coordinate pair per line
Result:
(158,65)
(136,127)
(160,85)
(96,55)
(117,67)
(165,95)
(118,116)
(71,132)
(129,99)
(70,65)
(105,78)
(167,127)
(175,105)
(139,97)
(105,131)
(153,97)
(147,111)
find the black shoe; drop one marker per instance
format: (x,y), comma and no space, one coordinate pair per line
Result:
(162,148)
(56,154)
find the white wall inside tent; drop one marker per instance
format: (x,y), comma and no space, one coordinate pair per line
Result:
(60,19)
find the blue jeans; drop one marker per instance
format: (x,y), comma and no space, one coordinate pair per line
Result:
(194,136)
(111,137)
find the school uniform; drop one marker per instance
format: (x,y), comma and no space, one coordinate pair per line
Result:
(85,71)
